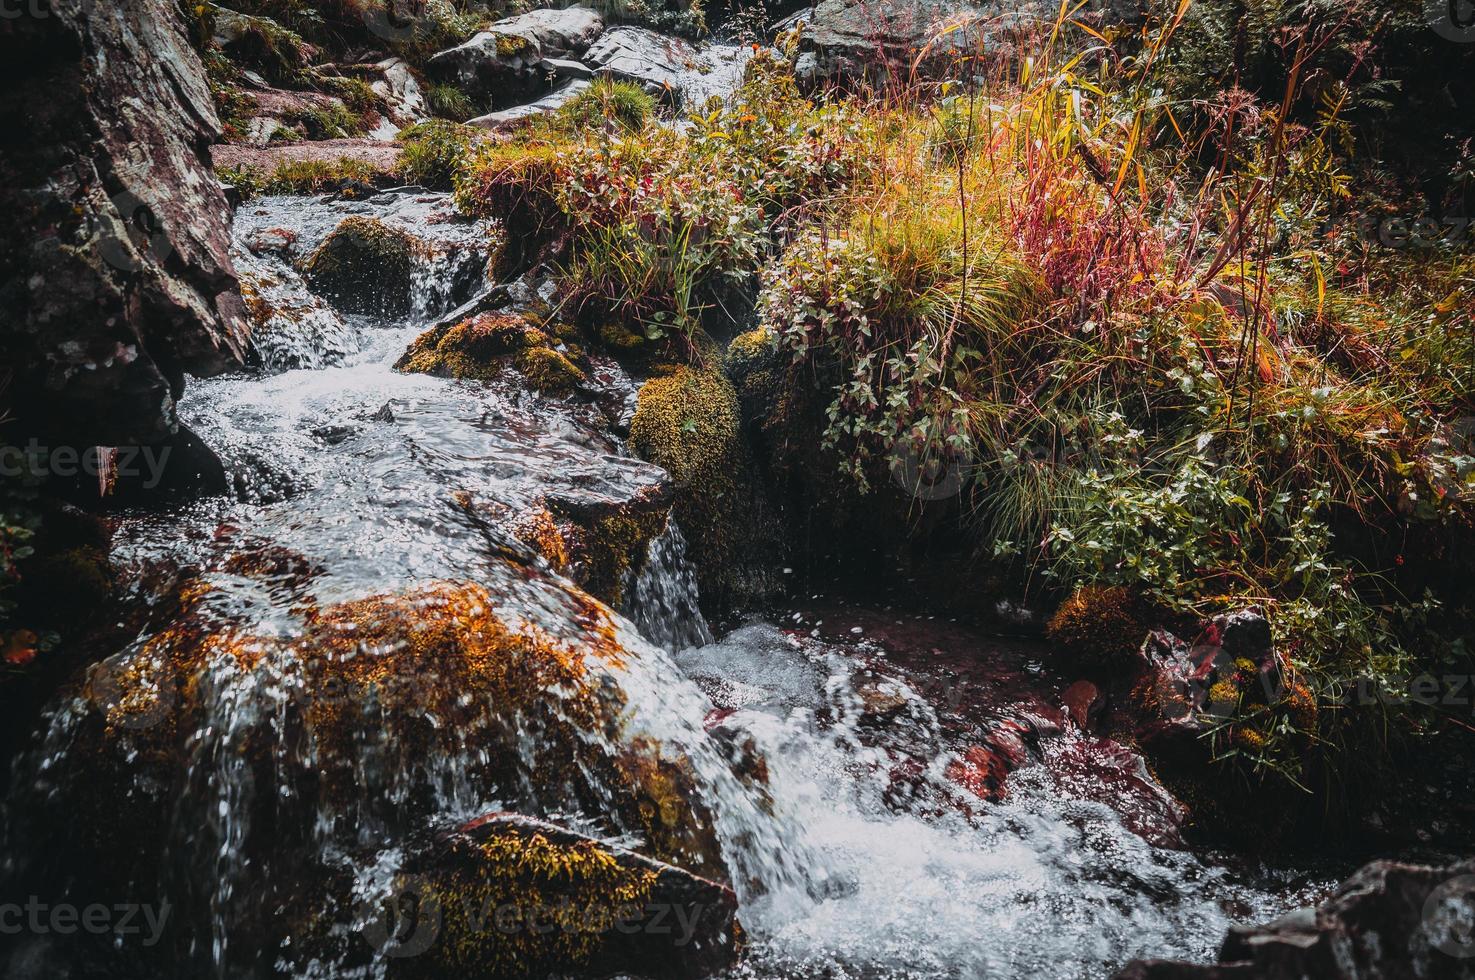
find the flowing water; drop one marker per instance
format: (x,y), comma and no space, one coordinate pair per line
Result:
(864,853)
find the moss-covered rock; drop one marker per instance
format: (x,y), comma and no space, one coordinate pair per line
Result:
(364,266)
(608,545)
(689,423)
(422,676)
(1099,627)
(484,347)
(563,904)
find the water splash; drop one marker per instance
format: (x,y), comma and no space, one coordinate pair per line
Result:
(661,599)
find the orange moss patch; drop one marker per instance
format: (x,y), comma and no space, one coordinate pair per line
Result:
(1099,625)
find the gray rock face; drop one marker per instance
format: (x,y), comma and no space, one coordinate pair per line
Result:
(655,62)
(517,115)
(115,276)
(401,93)
(846,42)
(506,58)
(1388,920)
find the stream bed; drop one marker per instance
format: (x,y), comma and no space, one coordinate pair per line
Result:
(877,846)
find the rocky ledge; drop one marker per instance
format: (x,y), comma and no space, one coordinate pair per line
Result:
(1388,920)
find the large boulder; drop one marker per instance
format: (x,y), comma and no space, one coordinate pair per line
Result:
(401,93)
(657,63)
(505,62)
(1388,920)
(847,42)
(521,114)
(115,274)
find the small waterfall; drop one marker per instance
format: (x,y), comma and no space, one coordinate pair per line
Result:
(661,599)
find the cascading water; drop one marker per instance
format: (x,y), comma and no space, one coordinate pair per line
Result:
(661,599)
(269,744)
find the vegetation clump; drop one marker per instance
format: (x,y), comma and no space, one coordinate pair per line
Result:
(606,102)
(481,348)
(1099,626)
(433,152)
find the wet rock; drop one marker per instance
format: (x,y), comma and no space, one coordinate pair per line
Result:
(504,61)
(115,275)
(486,346)
(1083,704)
(376,717)
(983,769)
(523,114)
(364,266)
(847,42)
(517,896)
(655,62)
(291,327)
(1115,776)
(1388,920)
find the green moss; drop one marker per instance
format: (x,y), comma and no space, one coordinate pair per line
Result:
(612,546)
(364,266)
(688,422)
(513,46)
(483,347)
(579,889)
(755,350)
(549,371)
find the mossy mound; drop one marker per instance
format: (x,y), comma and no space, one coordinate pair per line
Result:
(1099,627)
(364,266)
(689,423)
(749,353)
(484,347)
